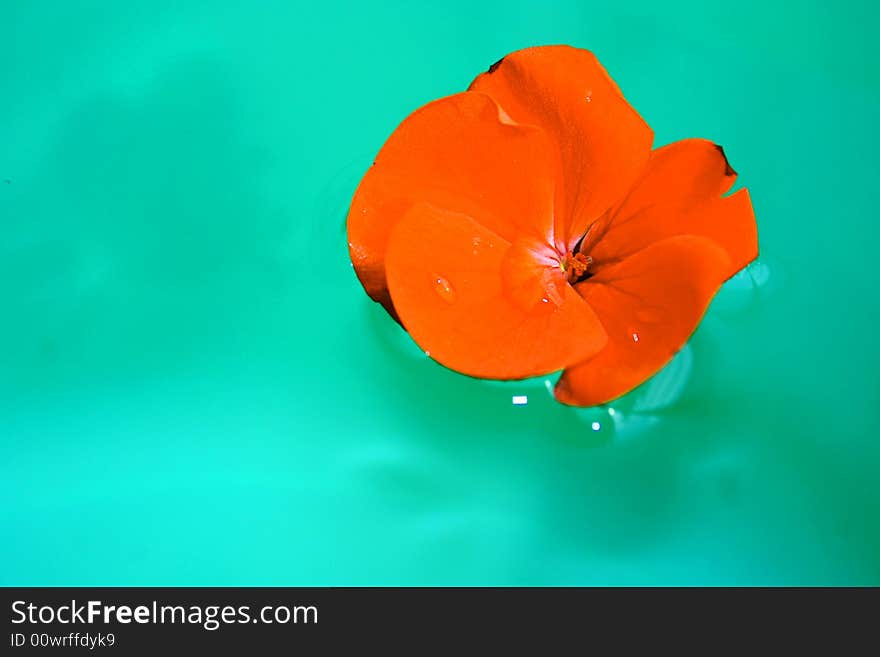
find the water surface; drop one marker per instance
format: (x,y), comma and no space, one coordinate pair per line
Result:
(195,390)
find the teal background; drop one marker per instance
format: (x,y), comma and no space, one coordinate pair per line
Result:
(195,390)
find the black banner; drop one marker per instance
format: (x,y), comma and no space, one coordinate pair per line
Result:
(182,620)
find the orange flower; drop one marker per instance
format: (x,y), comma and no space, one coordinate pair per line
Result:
(525,226)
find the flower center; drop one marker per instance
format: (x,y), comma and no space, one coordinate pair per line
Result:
(575,266)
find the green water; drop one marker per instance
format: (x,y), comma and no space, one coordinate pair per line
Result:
(194,388)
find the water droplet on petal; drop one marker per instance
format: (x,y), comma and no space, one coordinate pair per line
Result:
(552,289)
(444,289)
(589,97)
(545,300)
(635,336)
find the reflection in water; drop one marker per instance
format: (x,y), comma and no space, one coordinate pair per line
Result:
(325,229)
(611,480)
(582,469)
(744,289)
(667,386)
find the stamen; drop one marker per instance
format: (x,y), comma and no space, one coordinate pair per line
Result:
(575,265)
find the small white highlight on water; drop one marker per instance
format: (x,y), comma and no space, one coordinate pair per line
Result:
(596,426)
(635,337)
(520,400)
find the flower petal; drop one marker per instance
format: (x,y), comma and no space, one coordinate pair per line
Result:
(680,194)
(458,154)
(445,274)
(602,141)
(649,304)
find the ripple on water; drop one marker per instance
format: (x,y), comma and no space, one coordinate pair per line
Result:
(400,475)
(391,338)
(722,474)
(324,231)
(637,412)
